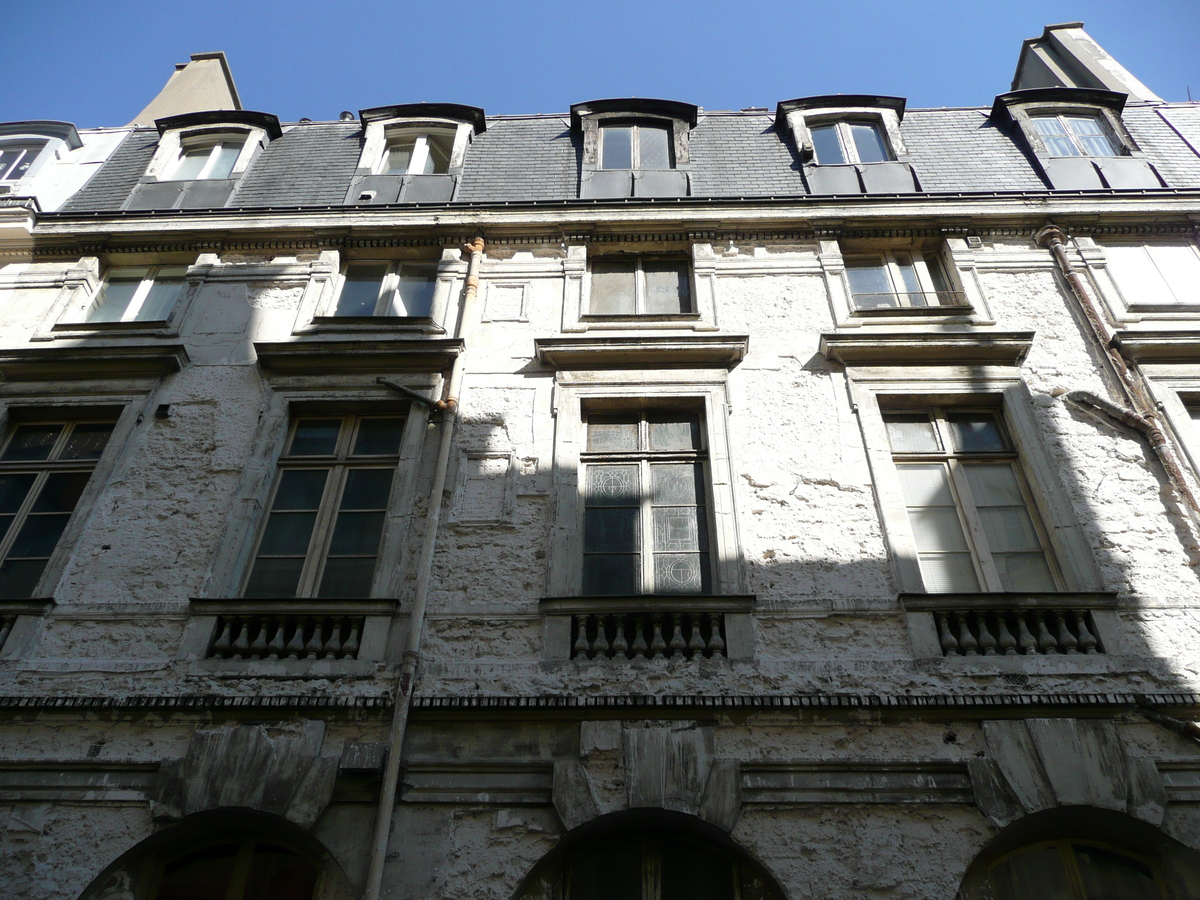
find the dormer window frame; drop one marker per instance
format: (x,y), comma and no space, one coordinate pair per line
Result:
(383,136)
(798,117)
(1022,114)
(847,143)
(599,181)
(42,141)
(176,143)
(214,143)
(608,125)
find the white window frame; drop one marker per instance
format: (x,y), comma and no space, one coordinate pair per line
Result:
(1114,141)
(635,151)
(31,147)
(700,390)
(379,135)
(873,389)
(214,144)
(174,143)
(1122,303)
(892,266)
(130,314)
(846,139)
(389,287)
(420,154)
(639,282)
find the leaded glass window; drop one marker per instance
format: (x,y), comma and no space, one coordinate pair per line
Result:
(321,536)
(44,468)
(972,521)
(645,492)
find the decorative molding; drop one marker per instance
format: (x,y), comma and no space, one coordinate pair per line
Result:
(1159,346)
(634,352)
(293,606)
(139,702)
(92,362)
(858,348)
(1009,600)
(647,603)
(35,607)
(89,780)
(502,783)
(324,357)
(858,781)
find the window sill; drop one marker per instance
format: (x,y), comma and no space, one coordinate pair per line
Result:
(84,330)
(419,324)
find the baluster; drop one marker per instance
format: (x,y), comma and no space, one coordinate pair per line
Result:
(966,640)
(946,636)
(317,641)
(639,638)
(620,646)
(1087,640)
(350,648)
(695,640)
(716,642)
(582,644)
(333,646)
(6,627)
(1046,641)
(259,645)
(677,642)
(658,646)
(221,645)
(296,645)
(600,645)
(276,645)
(241,644)
(1027,641)
(1008,643)
(986,641)
(1066,640)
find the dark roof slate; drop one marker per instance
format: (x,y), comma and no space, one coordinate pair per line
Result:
(522,159)
(110,187)
(311,165)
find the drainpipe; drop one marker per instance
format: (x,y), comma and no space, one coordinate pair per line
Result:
(402,699)
(1142,415)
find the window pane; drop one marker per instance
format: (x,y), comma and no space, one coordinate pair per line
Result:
(674,431)
(946,572)
(937,529)
(690,872)
(415,296)
(612,433)
(278,874)
(909,282)
(681,573)
(1034,873)
(1054,136)
(360,290)
(440,146)
(1110,876)
(400,155)
(366,489)
(612,574)
(666,288)
(937,275)
(613,486)
(827,146)
(1136,274)
(114,297)
(925,485)
(994,485)
(1180,269)
(1092,136)
(611,870)
(678,529)
(315,437)
(13,490)
(616,150)
(19,577)
(191,164)
(227,155)
(676,484)
(287,534)
(347,577)
(356,534)
(612,287)
(911,433)
(274,578)
(32,442)
(199,875)
(654,147)
(1023,571)
(61,492)
(38,536)
(15,160)
(870,286)
(868,141)
(976,432)
(379,437)
(300,489)
(167,286)
(610,529)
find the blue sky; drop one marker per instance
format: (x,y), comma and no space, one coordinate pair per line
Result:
(97,63)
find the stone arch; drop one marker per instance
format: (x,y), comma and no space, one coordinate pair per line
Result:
(1065,847)
(247,840)
(648,854)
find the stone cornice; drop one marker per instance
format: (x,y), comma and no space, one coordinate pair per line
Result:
(865,348)
(1159,346)
(634,352)
(81,361)
(325,357)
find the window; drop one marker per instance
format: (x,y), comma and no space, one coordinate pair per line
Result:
(383,288)
(44,468)
(640,286)
(208,158)
(138,295)
(645,519)
(891,279)
(1156,273)
(16,158)
(321,536)
(635,147)
(839,143)
(967,503)
(423,153)
(1073,870)
(245,870)
(1065,134)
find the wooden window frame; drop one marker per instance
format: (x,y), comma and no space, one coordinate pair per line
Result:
(639,285)
(389,288)
(635,148)
(846,140)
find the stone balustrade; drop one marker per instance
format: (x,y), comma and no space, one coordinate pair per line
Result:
(286,637)
(674,635)
(1012,632)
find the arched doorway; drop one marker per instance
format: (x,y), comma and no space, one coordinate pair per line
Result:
(1082,853)
(648,855)
(225,854)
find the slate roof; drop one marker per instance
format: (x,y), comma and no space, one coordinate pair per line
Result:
(733,154)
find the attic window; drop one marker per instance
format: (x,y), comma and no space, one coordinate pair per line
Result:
(1075,135)
(839,143)
(635,146)
(17,157)
(207,158)
(419,153)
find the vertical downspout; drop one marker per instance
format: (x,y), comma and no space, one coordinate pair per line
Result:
(1143,415)
(402,699)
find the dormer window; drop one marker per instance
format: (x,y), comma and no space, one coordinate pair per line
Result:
(17,157)
(638,146)
(208,158)
(423,153)
(840,143)
(1075,135)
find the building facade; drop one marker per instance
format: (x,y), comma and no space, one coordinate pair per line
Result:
(641,501)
